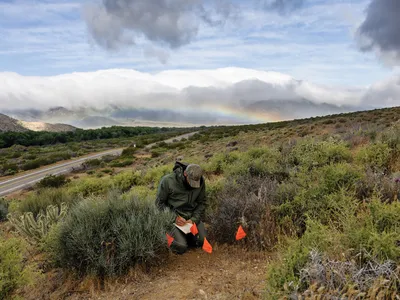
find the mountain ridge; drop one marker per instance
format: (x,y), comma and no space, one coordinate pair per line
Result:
(9,124)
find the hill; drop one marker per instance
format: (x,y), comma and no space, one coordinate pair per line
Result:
(318,199)
(8,124)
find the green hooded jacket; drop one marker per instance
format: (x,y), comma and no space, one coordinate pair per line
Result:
(176,194)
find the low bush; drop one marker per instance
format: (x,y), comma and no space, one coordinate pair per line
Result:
(90,186)
(125,180)
(13,272)
(53,181)
(105,237)
(310,153)
(321,200)
(140,192)
(376,156)
(245,201)
(9,169)
(92,163)
(34,164)
(3,209)
(121,163)
(41,199)
(128,152)
(374,229)
(153,176)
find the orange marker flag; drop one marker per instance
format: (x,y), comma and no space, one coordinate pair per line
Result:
(170,239)
(194,229)
(207,247)
(240,233)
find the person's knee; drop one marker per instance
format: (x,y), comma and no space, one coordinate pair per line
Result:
(179,248)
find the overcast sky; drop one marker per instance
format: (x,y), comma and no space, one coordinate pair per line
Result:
(312,40)
(233,52)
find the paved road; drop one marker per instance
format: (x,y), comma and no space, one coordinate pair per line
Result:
(19,182)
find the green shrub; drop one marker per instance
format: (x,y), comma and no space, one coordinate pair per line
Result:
(125,180)
(376,156)
(140,192)
(41,199)
(128,152)
(122,163)
(333,177)
(154,175)
(310,154)
(13,272)
(283,275)
(374,229)
(10,169)
(90,186)
(391,137)
(34,164)
(3,209)
(312,203)
(107,237)
(53,181)
(92,163)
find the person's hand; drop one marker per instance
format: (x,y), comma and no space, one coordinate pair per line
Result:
(180,221)
(189,221)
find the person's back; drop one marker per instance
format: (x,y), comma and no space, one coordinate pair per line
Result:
(184,192)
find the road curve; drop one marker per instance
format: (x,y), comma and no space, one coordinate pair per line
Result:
(24,180)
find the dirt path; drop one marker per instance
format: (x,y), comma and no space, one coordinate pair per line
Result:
(228,273)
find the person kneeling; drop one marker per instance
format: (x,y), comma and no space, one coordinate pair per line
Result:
(184,192)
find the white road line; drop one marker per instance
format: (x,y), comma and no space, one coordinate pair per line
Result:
(27,184)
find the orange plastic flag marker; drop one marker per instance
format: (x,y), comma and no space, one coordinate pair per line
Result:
(194,229)
(206,246)
(240,233)
(170,239)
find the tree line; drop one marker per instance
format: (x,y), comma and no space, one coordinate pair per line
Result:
(43,138)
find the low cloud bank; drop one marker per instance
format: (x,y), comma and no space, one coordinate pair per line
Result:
(230,94)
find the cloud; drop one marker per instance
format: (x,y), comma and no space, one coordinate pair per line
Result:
(383,94)
(168,23)
(113,24)
(283,7)
(159,53)
(380,30)
(219,95)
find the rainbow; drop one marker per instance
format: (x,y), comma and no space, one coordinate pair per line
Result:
(244,115)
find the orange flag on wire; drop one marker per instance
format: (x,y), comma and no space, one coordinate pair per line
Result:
(194,229)
(240,233)
(170,239)
(207,247)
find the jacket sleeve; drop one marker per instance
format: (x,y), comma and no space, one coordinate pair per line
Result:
(201,206)
(162,195)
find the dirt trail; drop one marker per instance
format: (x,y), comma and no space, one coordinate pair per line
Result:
(228,273)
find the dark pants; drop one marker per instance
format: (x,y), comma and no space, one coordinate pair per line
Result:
(182,241)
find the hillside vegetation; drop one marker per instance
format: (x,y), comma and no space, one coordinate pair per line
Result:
(321,195)
(30,150)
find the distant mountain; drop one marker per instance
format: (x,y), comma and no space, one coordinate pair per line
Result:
(298,109)
(8,124)
(94,122)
